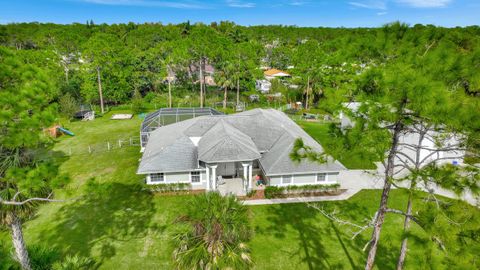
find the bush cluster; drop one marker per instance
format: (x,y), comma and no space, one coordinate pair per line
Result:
(171,187)
(276,192)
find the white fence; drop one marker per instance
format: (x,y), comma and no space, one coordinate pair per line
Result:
(106,146)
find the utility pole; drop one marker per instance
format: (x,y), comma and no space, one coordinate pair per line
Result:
(100,89)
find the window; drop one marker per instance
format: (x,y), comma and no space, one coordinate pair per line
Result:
(157,177)
(286,179)
(332,177)
(321,177)
(195,177)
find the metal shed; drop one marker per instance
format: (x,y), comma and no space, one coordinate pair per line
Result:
(166,116)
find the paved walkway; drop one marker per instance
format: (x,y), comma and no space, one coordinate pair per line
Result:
(356,180)
(344,196)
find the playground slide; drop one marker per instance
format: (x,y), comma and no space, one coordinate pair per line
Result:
(66,131)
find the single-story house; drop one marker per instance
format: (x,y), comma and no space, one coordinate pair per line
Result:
(263,86)
(212,151)
(275,73)
(208,74)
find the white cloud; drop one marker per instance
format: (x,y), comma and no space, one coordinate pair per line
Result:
(370,4)
(297,3)
(425,3)
(148,3)
(382,13)
(240,4)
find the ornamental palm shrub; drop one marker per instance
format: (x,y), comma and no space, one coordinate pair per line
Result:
(75,263)
(213,234)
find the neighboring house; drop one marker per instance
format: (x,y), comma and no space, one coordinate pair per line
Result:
(275,73)
(212,152)
(263,86)
(208,74)
(431,144)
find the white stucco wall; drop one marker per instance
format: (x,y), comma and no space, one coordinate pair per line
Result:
(305,179)
(180,177)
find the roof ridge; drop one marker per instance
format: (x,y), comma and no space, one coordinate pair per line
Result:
(280,156)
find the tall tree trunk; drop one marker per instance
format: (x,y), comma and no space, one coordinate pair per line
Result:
(66,75)
(238,90)
(406,227)
(169,94)
(406,223)
(308,88)
(21,252)
(201,84)
(100,92)
(225,98)
(380,216)
(204,82)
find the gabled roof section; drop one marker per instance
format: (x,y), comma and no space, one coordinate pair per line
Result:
(224,143)
(181,155)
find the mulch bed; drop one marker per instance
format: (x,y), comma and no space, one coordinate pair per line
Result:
(260,194)
(180,192)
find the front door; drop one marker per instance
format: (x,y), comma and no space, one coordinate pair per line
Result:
(226,169)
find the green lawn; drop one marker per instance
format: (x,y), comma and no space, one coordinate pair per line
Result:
(123,227)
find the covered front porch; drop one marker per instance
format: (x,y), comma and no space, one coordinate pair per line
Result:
(230,177)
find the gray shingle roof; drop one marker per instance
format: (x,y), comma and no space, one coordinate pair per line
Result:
(241,136)
(224,143)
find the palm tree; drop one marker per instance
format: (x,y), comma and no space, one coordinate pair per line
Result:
(213,234)
(11,217)
(225,79)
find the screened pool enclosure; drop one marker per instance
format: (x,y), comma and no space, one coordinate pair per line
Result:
(167,116)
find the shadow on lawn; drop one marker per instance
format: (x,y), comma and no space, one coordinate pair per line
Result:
(311,250)
(108,214)
(317,236)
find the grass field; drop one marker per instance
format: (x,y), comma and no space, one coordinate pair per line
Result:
(123,227)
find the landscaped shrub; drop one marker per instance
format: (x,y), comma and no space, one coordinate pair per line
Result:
(42,257)
(171,187)
(251,193)
(212,234)
(75,263)
(275,192)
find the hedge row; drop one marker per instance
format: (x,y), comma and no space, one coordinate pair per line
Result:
(275,192)
(171,187)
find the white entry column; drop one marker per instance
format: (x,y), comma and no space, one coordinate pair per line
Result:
(214,177)
(250,172)
(245,175)
(208,178)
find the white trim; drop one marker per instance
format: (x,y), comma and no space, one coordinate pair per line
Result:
(149,179)
(325,179)
(303,173)
(180,171)
(195,183)
(292,180)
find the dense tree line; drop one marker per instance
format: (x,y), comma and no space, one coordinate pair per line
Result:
(117,60)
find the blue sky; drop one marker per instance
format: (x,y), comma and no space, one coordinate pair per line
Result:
(348,13)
